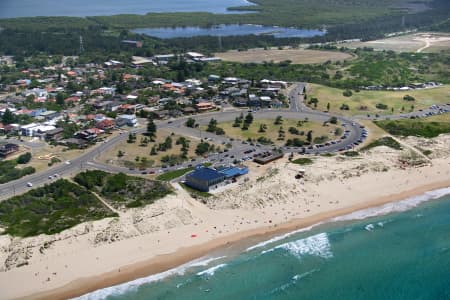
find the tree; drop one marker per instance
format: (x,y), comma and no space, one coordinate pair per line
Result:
(8,117)
(328,106)
(347,93)
(237,122)
(120,153)
(309,136)
(249,118)
(168,143)
(220,131)
(60,99)
(278,120)
(333,120)
(153,151)
(151,130)
(212,125)
(262,128)
(190,123)
(131,138)
(202,148)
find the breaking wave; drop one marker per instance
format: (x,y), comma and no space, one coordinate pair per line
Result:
(127,286)
(317,245)
(398,206)
(211,271)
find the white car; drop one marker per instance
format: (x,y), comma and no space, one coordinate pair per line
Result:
(67,162)
(29,184)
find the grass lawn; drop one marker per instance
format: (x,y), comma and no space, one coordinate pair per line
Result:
(364,102)
(384,141)
(133,150)
(168,176)
(302,161)
(272,130)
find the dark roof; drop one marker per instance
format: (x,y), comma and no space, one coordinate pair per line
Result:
(205,174)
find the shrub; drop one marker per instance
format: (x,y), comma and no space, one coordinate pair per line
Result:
(24,158)
(347,93)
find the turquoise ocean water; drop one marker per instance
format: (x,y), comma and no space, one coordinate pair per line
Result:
(396,251)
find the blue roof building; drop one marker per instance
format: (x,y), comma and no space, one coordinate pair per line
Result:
(203,178)
(232,172)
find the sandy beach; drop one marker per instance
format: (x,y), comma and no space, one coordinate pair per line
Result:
(178,228)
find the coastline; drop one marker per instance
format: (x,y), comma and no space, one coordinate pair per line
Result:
(157,240)
(183,255)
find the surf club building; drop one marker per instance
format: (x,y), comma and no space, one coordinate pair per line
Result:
(203,179)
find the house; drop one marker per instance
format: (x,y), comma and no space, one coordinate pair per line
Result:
(131,120)
(194,55)
(29,129)
(135,44)
(203,178)
(204,106)
(50,114)
(161,114)
(74,142)
(106,124)
(189,110)
(8,149)
(54,135)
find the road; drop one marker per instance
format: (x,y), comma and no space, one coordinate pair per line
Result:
(297,111)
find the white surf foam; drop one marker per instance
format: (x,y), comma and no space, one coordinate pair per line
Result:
(303,275)
(369,227)
(280,237)
(398,206)
(211,271)
(127,286)
(318,245)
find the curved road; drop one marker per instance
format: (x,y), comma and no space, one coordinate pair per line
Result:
(297,110)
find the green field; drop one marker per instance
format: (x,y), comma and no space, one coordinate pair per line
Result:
(272,131)
(50,209)
(168,176)
(364,102)
(303,161)
(429,127)
(384,141)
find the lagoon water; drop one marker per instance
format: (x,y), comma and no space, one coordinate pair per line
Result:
(227,30)
(82,8)
(404,254)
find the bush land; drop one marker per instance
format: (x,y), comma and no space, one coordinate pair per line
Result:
(123,190)
(50,209)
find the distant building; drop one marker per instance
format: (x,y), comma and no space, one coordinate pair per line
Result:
(135,44)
